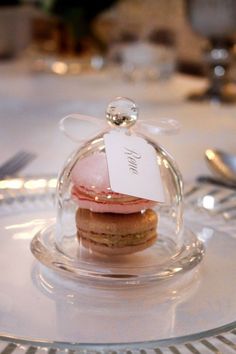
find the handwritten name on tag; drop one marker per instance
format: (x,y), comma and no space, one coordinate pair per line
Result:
(133,167)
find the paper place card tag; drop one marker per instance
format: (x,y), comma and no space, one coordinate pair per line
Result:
(133,167)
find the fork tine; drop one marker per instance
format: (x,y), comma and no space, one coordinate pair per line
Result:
(11,162)
(14,167)
(15,157)
(17,162)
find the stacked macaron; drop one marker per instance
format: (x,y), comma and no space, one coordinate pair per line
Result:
(108,222)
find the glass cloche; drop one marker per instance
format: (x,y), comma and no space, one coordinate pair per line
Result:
(120,207)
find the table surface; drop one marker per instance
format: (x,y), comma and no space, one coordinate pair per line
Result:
(33,103)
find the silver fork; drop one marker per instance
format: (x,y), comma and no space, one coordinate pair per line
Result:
(16,163)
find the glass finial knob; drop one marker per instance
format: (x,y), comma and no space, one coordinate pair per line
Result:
(122,112)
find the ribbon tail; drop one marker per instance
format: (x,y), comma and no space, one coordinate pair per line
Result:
(164,126)
(81,128)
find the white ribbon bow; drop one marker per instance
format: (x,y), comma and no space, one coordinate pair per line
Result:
(73,124)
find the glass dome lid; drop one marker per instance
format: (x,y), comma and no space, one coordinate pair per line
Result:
(119,205)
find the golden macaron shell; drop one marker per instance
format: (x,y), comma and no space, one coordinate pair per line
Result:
(116,234)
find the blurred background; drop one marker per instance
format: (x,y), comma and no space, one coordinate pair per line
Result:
(131,33)
(69,28)
(175,58)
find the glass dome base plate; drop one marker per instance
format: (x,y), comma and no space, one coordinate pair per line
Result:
(151,265)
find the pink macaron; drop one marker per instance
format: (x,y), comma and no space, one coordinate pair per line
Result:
(91,188)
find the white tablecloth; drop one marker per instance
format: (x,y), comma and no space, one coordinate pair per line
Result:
(31,106)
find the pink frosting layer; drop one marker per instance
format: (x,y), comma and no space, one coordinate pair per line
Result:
(85,202)
(112,208)
(91,175)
